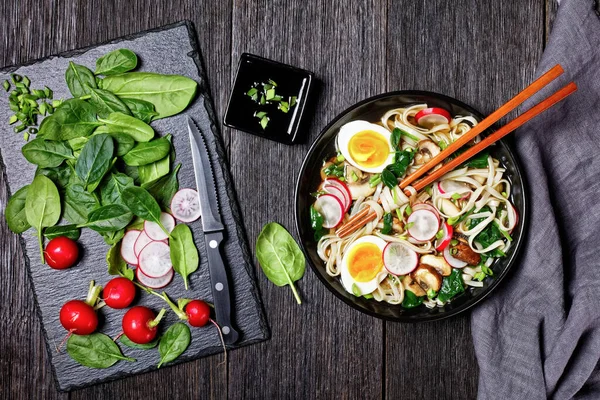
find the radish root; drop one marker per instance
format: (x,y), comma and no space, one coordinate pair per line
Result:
(222,341)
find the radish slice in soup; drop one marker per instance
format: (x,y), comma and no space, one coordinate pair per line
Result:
(424,224)
(337,192)
(155,259)
(185,205)
(127,246)
(332,210)
(454,262)
(426,206)
(399,259)
(154,231)
(444,241)
(336,183)
(450,186)
(430,117)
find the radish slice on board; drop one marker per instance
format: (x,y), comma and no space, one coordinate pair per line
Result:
(454,262)
(155,259)
(127,246)
(424,224)
(331,209)
(444,241)
(399,259)
(340,185)
(430,117)
(142,241)
(185,205)
(337,192)
(154,231)
(154,283)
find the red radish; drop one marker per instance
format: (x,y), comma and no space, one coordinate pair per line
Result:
(454,262)
(119,293)
(154,283)
(140,324)
(185,205)
(424,224)
(426,206)
(61,252)
(430,117)
(142,241)
(337,192)
(155,260)
(127,246)
(444,241)
(78,317)
(340,185)
(198,313)
(331,208)
(399,259)
(155,232)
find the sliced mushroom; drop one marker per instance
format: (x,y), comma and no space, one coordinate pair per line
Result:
(437,262)
(358,182)
(426,151)
(427,277)
(464,252)
(410,284)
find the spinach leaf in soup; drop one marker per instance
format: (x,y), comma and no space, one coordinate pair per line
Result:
(96,350)
(70,231)
(388,221)
(316,222)
(106,103)
(80,79)
(95,159)
(452,285)
(411,300)
(45,153)
(111,189)
(117,122)
(15,214)
(279,256)
(42,206)
(147,153)
(110,218)
(72,119)
(165,188)
(78,203)
(116,62)
(174,342)
(184,254)
(170,94)
(142,204)
(141,109)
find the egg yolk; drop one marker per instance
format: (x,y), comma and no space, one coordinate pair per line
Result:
(365,262)
(369,149)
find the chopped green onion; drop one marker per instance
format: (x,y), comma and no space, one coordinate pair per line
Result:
(16,78)
(48,92)
(505,234)
(408,210)
(56,103)
(26,136)
(20,128)
(368,296)
(452,220)
(252,92)
(284,107)
(453,242)
(443,144)
(6,85)
(504,195)
(341,178)
(354,177)
(272,82)
(453,251)
(293,101)
(264,122)
(428,189)
(356,290)
(480,276)
(340,158)
(12,119)
(409,225)
(32,130)
(456,196)
(26,81)
(43,108)
(487,270)
(270,94)
(431,293)
(277,98)
(398,214)
(408,135)
(267,86)
(440,234)
(260,114)
(262,100)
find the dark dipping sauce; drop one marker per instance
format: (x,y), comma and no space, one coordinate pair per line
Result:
(242,109)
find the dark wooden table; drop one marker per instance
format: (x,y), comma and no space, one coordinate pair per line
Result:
(481,52)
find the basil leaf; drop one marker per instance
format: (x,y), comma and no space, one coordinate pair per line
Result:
(15,214)
(116,62)
(165,188)
(108,218)
(141,109)
(146,346)
(74,118)
(42,206)
(78,203)
(142,204)
(95,351)
(184,254)
(452,285)
(124,143)
(70,231)
(111,189)
(106,103)
(118,122)
(387,223)
(147,153)
(170,94)
(80,79)
(116,264)
(411,300)
(279,256)
(46,154)
(59,175)
(174,342)
(95,159)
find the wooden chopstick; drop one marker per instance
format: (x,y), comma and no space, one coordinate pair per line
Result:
(499,134)
(491,119)
(358,220)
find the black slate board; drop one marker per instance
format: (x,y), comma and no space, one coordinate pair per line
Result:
(172,49)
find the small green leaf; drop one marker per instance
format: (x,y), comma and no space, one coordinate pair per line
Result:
(174,342)
(95,351)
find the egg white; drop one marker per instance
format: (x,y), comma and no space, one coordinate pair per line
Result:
(346,278)
(350,129)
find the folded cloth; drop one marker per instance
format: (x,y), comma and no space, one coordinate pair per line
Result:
(538,336)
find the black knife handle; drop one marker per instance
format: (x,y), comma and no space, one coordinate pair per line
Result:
(220,286)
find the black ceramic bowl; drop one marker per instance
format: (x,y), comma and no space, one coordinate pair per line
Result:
(308,180)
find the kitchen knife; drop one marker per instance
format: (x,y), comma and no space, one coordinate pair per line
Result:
(213,232)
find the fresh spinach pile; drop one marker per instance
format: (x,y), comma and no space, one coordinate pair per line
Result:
(99,162)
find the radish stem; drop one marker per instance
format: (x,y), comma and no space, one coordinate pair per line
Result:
(156,320)
(174,307)
(93,294)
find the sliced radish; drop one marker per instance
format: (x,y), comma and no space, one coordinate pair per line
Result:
(127,246)
(154,283)
(444,241)
(154,231)
(155,259)
(430,117)
(142,241)
(426,206)
(331,208)
(342,186)
(185,205)
(424,225)
(454,262)
(399,259)
(337,192)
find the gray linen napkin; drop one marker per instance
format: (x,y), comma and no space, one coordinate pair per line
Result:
(539,335)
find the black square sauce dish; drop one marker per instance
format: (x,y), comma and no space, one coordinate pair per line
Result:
(269,99)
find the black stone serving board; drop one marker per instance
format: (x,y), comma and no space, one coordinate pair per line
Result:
(171,50)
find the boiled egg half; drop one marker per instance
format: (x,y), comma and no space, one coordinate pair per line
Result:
(362,265)
(365,145)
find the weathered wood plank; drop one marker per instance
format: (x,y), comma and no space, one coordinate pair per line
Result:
(480,53)
(321,348)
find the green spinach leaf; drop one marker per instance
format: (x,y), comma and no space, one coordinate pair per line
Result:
(80,79)
(112,238)
(165,188)
(142,204)
(15,214)
(147,153)
(74,118)
(395,138)
(152,172)
(279,256)
(490,234)
(316,222)
(184,254)
(78,203)
(95,351)
(111,189)
(118,122)
(70,231)
(388,220)
(42,206)
(174,342)
(110,218)
(59,175)
(45,153)
(141,109)
(127,342)
(411,300)
(116,264)
(124,143)
(116,62)
(397,169)
(106,103)
(95,159)
(451,286)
